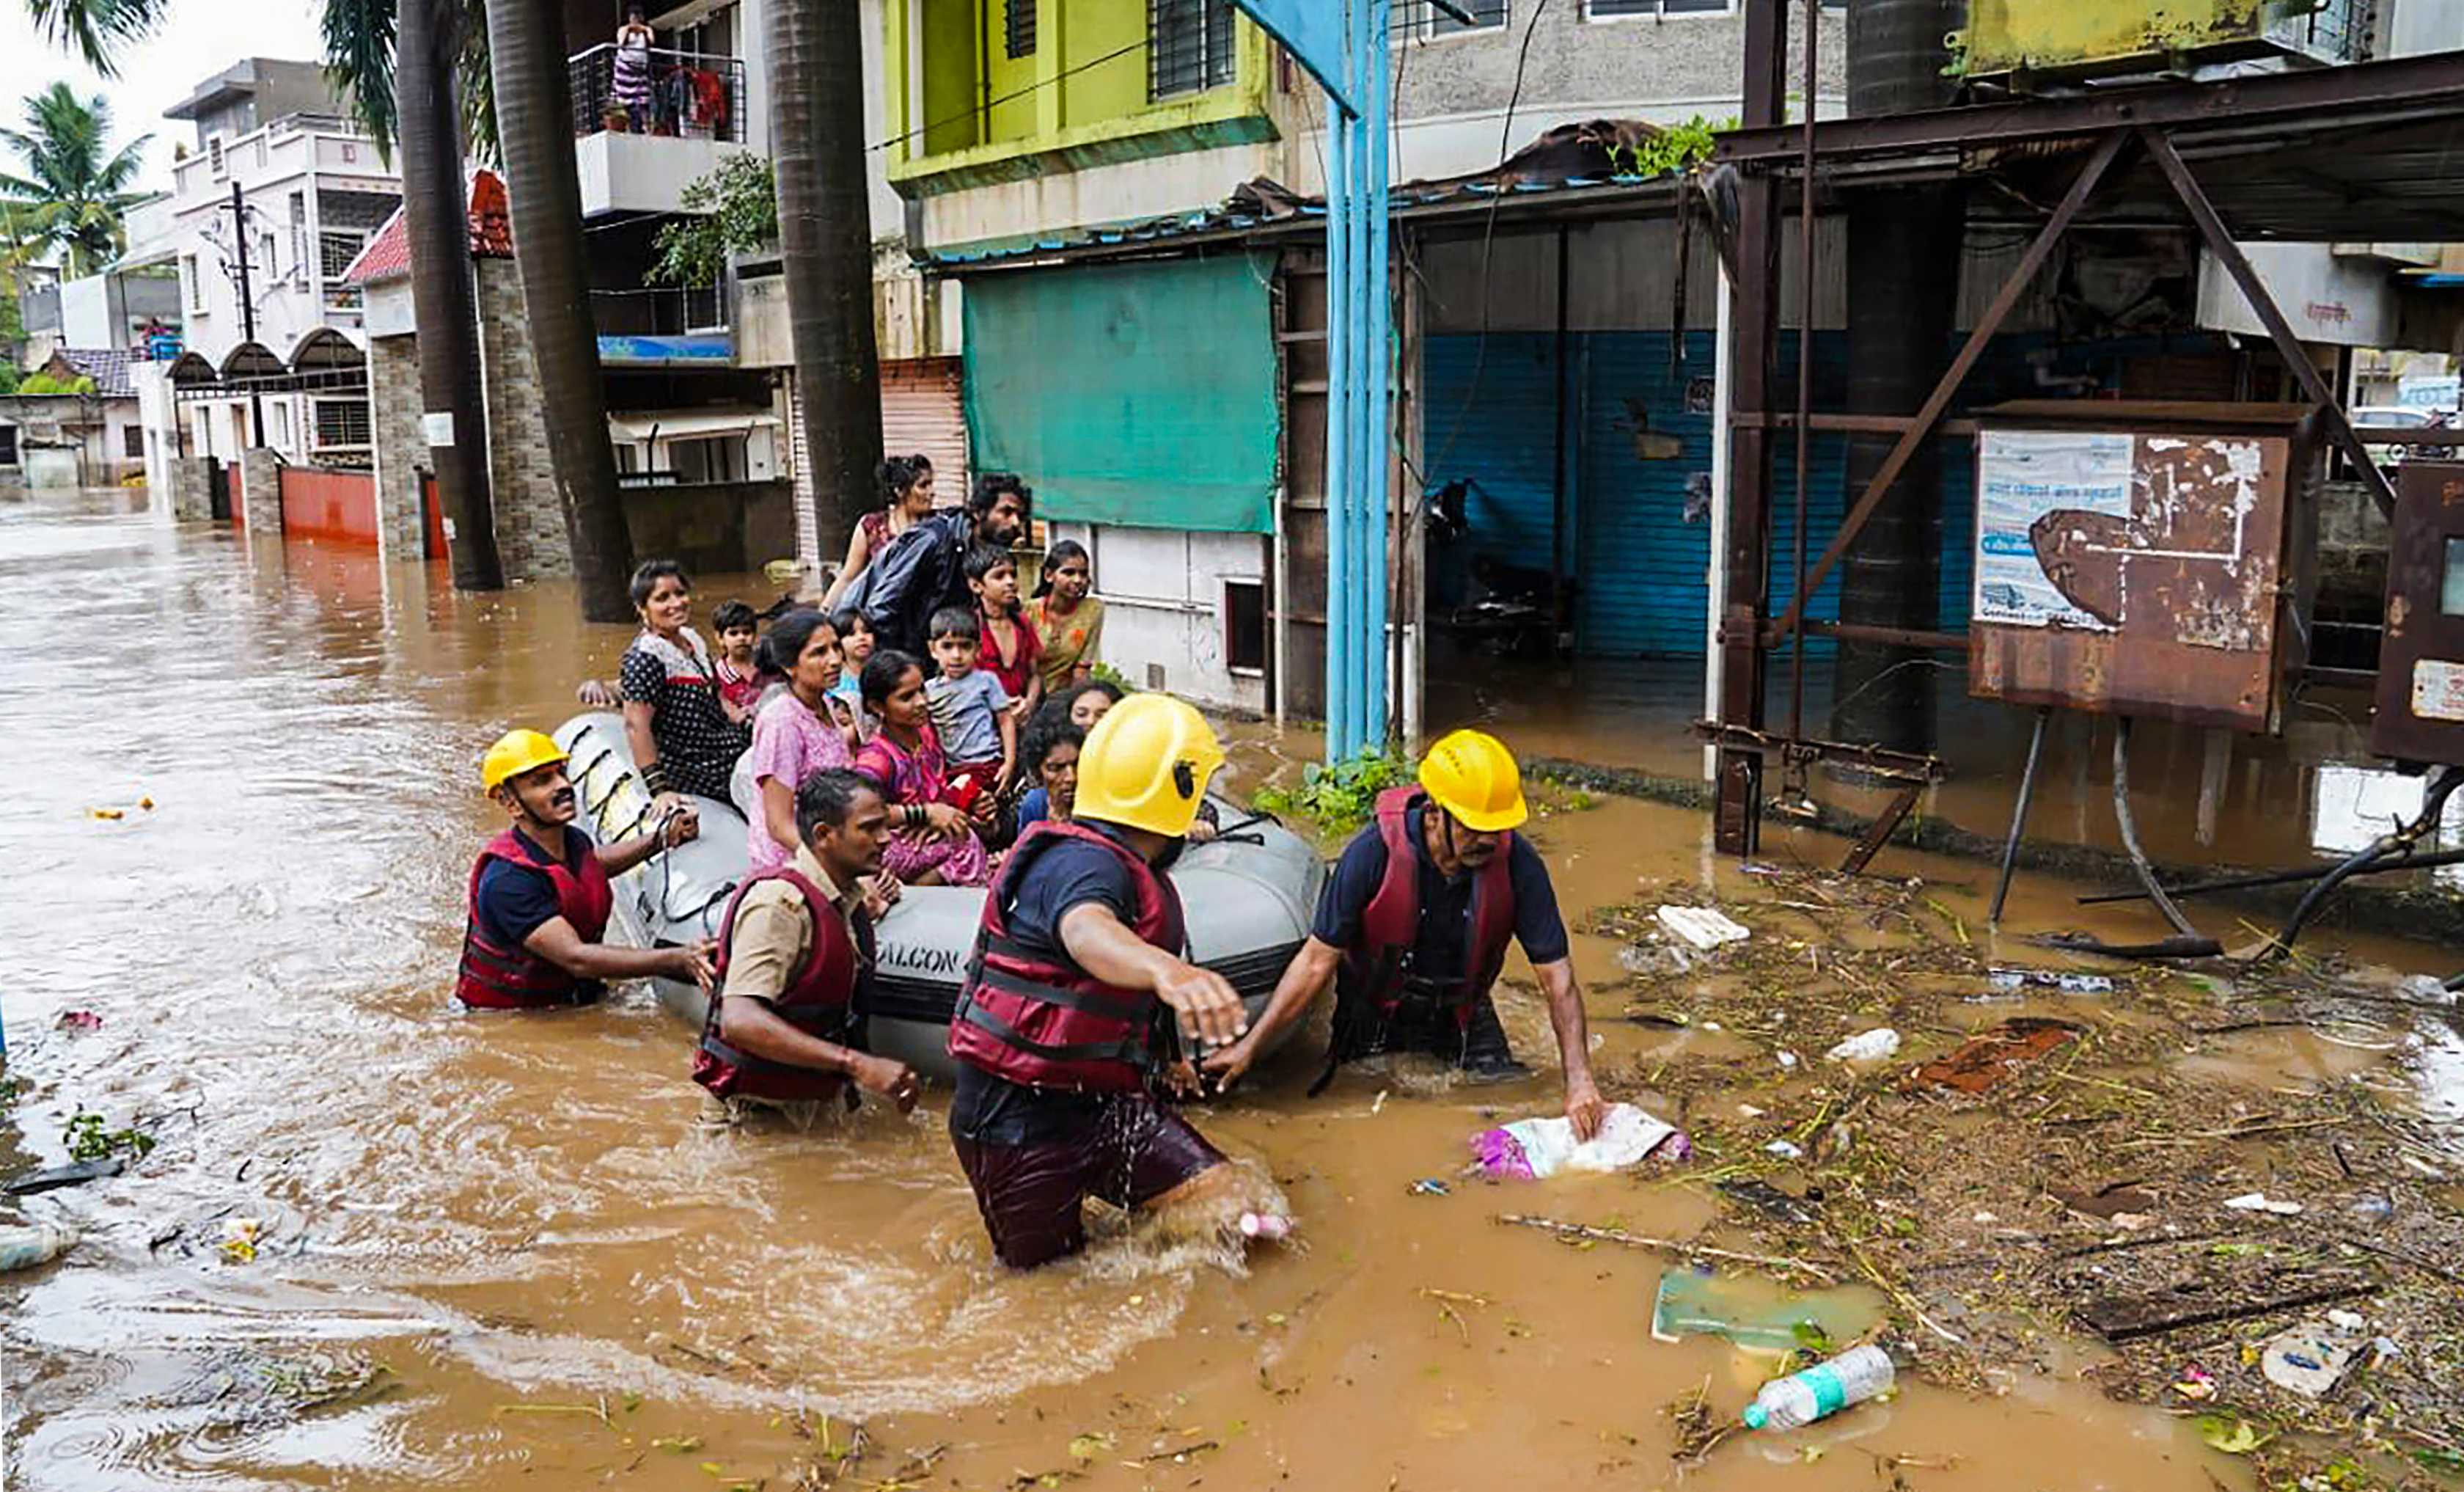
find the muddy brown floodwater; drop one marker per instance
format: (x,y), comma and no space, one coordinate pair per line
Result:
(498,1252)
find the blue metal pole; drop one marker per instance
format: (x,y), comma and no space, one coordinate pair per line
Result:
(1361,358)
(1338,436)
(1377,387)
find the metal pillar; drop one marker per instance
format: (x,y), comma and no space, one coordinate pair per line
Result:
(1376,447)
(1340,638)
(1343,46)
(1754,330)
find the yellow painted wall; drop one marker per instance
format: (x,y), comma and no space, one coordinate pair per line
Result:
(2009,33)
(1090,61)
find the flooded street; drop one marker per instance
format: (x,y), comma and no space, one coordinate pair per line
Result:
(499,1246)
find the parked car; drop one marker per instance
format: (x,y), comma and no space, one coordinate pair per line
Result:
(2400,416)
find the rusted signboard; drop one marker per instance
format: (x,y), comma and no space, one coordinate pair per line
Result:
(2134,558)
(2421,661)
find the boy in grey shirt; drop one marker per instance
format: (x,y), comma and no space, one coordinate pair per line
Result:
(970,709)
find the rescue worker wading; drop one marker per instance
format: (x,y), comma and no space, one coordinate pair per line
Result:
(795,966)
(1068,1010)
(540,897)
(1413,926)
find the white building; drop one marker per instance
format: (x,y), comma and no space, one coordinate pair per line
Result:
(271,202)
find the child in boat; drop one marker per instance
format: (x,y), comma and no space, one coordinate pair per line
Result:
(933,841)
(1006,647)
(856,642)
(739,678)
(971,709)
(1067,620)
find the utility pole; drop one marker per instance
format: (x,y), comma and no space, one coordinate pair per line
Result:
(247,310)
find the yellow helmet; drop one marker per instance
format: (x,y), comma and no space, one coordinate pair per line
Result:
(1471,775)
(516,752)
(1145,765)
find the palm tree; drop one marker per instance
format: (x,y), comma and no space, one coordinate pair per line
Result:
(396,61)
(76,186)
(535,125)
(95,29)
(824,244)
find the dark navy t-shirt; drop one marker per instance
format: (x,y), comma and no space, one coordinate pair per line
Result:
(1068,875)
(1445,905)
(516,900)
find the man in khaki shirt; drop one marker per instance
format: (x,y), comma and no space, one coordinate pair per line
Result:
(842,821)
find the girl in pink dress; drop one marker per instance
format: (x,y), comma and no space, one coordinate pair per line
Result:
(934,842)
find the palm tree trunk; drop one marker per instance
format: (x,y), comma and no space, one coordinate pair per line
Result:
(435,209)
(825,249)
(535,126)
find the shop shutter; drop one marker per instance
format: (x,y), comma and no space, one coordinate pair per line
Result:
(923,408)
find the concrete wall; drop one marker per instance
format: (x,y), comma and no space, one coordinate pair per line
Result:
(714,527)
(1163,595)
(1452,91)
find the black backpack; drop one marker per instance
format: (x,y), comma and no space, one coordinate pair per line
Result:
(902,585)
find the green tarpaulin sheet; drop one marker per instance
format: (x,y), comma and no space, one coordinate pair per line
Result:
(1141,395)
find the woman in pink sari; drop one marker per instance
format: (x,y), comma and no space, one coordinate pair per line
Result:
(933,840)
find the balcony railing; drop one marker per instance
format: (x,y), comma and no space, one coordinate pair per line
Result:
(687,95)
(658,311)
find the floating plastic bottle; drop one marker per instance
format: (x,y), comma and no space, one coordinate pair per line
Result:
(1825,1388)
(35,1243)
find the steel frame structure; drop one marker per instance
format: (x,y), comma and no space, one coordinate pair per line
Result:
(1838,155)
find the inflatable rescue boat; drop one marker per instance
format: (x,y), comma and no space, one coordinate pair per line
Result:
(1249,897)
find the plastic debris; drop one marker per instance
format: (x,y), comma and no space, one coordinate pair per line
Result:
(33,1243)
(1694,1302)
(1761,1196)
(2262,1202)
(1653,960)
(241,1237)
(2309,1359)
(2426,989)
(79,1020)
(2197,1384)
(1787,1058)
(1530,1148)
(1703,926)
(2049,979)
(2346,1321)
(1430,1186)
(2231,1435)
(2373,1209)
(1787,1149)
(1801,1398)
(1879,1045)
(58,1177)
(107,814)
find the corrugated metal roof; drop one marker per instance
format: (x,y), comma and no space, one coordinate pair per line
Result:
(1572,162)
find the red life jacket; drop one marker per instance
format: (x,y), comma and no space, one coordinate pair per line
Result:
(824,998)
(493,977)
(1378,967)
(1038,1019)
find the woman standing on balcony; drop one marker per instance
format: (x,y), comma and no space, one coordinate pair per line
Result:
(907,485)
(631,82)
